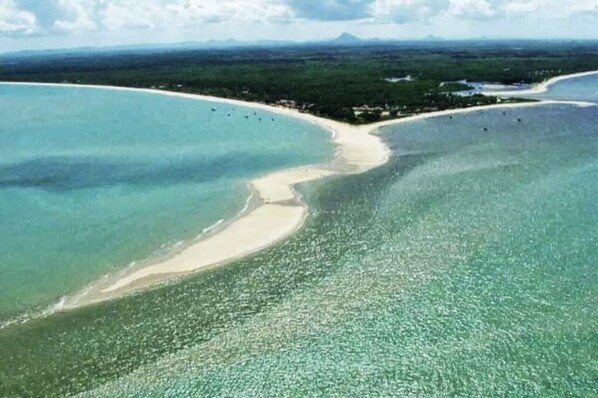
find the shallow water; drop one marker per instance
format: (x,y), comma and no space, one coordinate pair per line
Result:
(466,266)
(578,89)
(92,180)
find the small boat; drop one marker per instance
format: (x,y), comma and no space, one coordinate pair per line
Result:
(519,120)
(214,109)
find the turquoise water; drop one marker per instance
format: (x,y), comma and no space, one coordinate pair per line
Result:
(92,180)
(466,266)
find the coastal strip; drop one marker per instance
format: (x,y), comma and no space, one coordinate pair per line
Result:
(541,87)
(280,211)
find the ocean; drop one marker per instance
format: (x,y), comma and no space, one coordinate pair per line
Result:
(92,181)
(465,266)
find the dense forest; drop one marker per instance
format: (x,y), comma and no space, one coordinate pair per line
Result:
(348,83)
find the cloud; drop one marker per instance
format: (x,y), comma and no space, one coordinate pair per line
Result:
(45,12)
(61,16)
(64,17)
(332,10)
(475,9)
(214,11)
(404,11)
(522,7)
(15,21)
(76,15)
(123,15)
(71,16)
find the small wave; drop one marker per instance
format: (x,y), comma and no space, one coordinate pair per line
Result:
(247,203)
(24,318)
(587,104)
(210,228)
(57,306)
(20,320)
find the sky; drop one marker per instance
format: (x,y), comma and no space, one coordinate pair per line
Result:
(44,24)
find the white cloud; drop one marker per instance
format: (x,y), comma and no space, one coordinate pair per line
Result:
(522,7)
(403,11)
(213,11)
(547,9)
(72,16)
(119,15)
(16,21)
(474,9)
(124,15)
(79,15)
(580,6)
(180,17)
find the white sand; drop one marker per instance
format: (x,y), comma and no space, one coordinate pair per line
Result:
(280,214)
(539,88)
(281,211)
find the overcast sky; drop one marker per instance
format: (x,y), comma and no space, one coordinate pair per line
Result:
(37,24)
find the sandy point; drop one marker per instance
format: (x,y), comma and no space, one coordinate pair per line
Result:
(541,87)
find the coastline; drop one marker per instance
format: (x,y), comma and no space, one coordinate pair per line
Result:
(539,88)
(280,212)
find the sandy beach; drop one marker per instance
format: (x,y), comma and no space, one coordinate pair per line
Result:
(541,87)
(280,211)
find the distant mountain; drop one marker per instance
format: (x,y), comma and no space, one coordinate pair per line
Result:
(347,38)
(148,48)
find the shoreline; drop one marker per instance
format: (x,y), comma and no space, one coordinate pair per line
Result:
(539,88)
(280,211)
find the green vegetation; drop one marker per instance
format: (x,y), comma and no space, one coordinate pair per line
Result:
(344,83)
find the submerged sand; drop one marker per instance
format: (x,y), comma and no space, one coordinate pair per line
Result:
(280,210)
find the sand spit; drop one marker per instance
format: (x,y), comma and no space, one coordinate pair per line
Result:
(280,211)
(539,88)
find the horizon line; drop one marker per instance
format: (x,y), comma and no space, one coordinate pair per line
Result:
(221,44)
